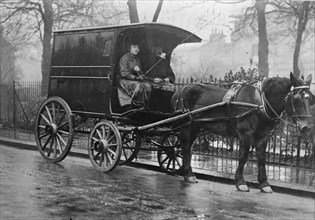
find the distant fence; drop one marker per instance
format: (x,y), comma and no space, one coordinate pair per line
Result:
(20,101)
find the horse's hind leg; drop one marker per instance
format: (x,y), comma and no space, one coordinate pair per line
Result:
(186,144)
(261,145)
(243,155)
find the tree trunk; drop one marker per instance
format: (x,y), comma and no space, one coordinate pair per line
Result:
(302,21)
(263,65)
(157,11)
(133,11)
(46,56)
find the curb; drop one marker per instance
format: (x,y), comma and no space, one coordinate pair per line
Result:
(279,187)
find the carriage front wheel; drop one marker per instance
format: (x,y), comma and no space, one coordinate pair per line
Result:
(105,146)
(131,144)
(169,155)
(54,131)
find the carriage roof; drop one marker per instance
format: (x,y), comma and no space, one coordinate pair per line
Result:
(134,25)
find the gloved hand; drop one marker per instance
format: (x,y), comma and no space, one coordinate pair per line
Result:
(141,77)
(157,80)
(167,80)
(137,68)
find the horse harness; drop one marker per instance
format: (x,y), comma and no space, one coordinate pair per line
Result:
(230,97)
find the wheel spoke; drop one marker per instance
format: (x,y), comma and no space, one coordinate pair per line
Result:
(99,134)
(110,139)
(112,144)
(41,126)
(124,152)
(47,141)
(57,114)
(55,147)
(45,135)
(62,140)
(169,142)
(53,112)
(63,124)
(109,158)
(49,115)
(63,132)
(164,159)
(103,131)
(61,119)
(101,160)
(94,139)
(178,162)
(112,152)
(50,147)
(43,116)
(108,134)
(168,164)
(59,144)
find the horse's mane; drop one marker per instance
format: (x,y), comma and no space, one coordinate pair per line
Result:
(276,85)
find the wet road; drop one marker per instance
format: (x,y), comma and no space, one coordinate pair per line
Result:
(31,188)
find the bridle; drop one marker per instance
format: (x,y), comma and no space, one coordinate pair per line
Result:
(290,98)
(289,101)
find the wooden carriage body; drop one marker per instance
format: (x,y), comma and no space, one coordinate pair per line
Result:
(85,64)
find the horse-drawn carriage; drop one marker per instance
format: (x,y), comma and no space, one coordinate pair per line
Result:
(83,85)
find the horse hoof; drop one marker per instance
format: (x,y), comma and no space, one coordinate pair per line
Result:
(190,179)
(242,188)
(266,189)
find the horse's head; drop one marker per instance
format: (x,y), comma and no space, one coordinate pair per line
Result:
(298,102)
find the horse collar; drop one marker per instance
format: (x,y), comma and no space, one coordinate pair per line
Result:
(267,104)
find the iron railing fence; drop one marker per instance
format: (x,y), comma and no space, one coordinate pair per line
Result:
(20,101)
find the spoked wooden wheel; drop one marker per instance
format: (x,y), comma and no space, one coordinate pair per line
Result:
(54,129)
(131,144)
(170,157)
(104,146)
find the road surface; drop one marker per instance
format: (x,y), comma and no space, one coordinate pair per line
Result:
(32,188)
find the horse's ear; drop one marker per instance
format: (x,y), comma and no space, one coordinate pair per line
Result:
(294,80)
(308,80)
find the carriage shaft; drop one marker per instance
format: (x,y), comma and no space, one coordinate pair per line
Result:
(188,113)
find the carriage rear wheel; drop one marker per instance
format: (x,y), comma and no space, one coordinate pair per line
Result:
(54,131)
(105,146)
(170,157)
(131,144)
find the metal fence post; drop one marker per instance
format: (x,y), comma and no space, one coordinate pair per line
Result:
(298,150)
(14,110)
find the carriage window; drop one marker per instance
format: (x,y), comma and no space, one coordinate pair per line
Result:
(107,48)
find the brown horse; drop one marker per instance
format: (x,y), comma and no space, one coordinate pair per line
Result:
(251,125)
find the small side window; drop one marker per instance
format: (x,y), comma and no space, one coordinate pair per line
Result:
(107,48)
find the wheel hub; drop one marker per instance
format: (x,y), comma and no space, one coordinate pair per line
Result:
(104,145)
(51,128)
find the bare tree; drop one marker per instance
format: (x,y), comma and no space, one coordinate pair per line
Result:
(29,18)
(133,11)
(296,14)
(302,15)
(47,16)
(263,65)
(157,11)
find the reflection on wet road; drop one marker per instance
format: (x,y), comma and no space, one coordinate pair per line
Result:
(31,188)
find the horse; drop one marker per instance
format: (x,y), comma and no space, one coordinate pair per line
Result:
(251,125)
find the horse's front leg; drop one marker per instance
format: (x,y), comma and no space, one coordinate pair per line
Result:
(261,145)
(245,143)
(186,146)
